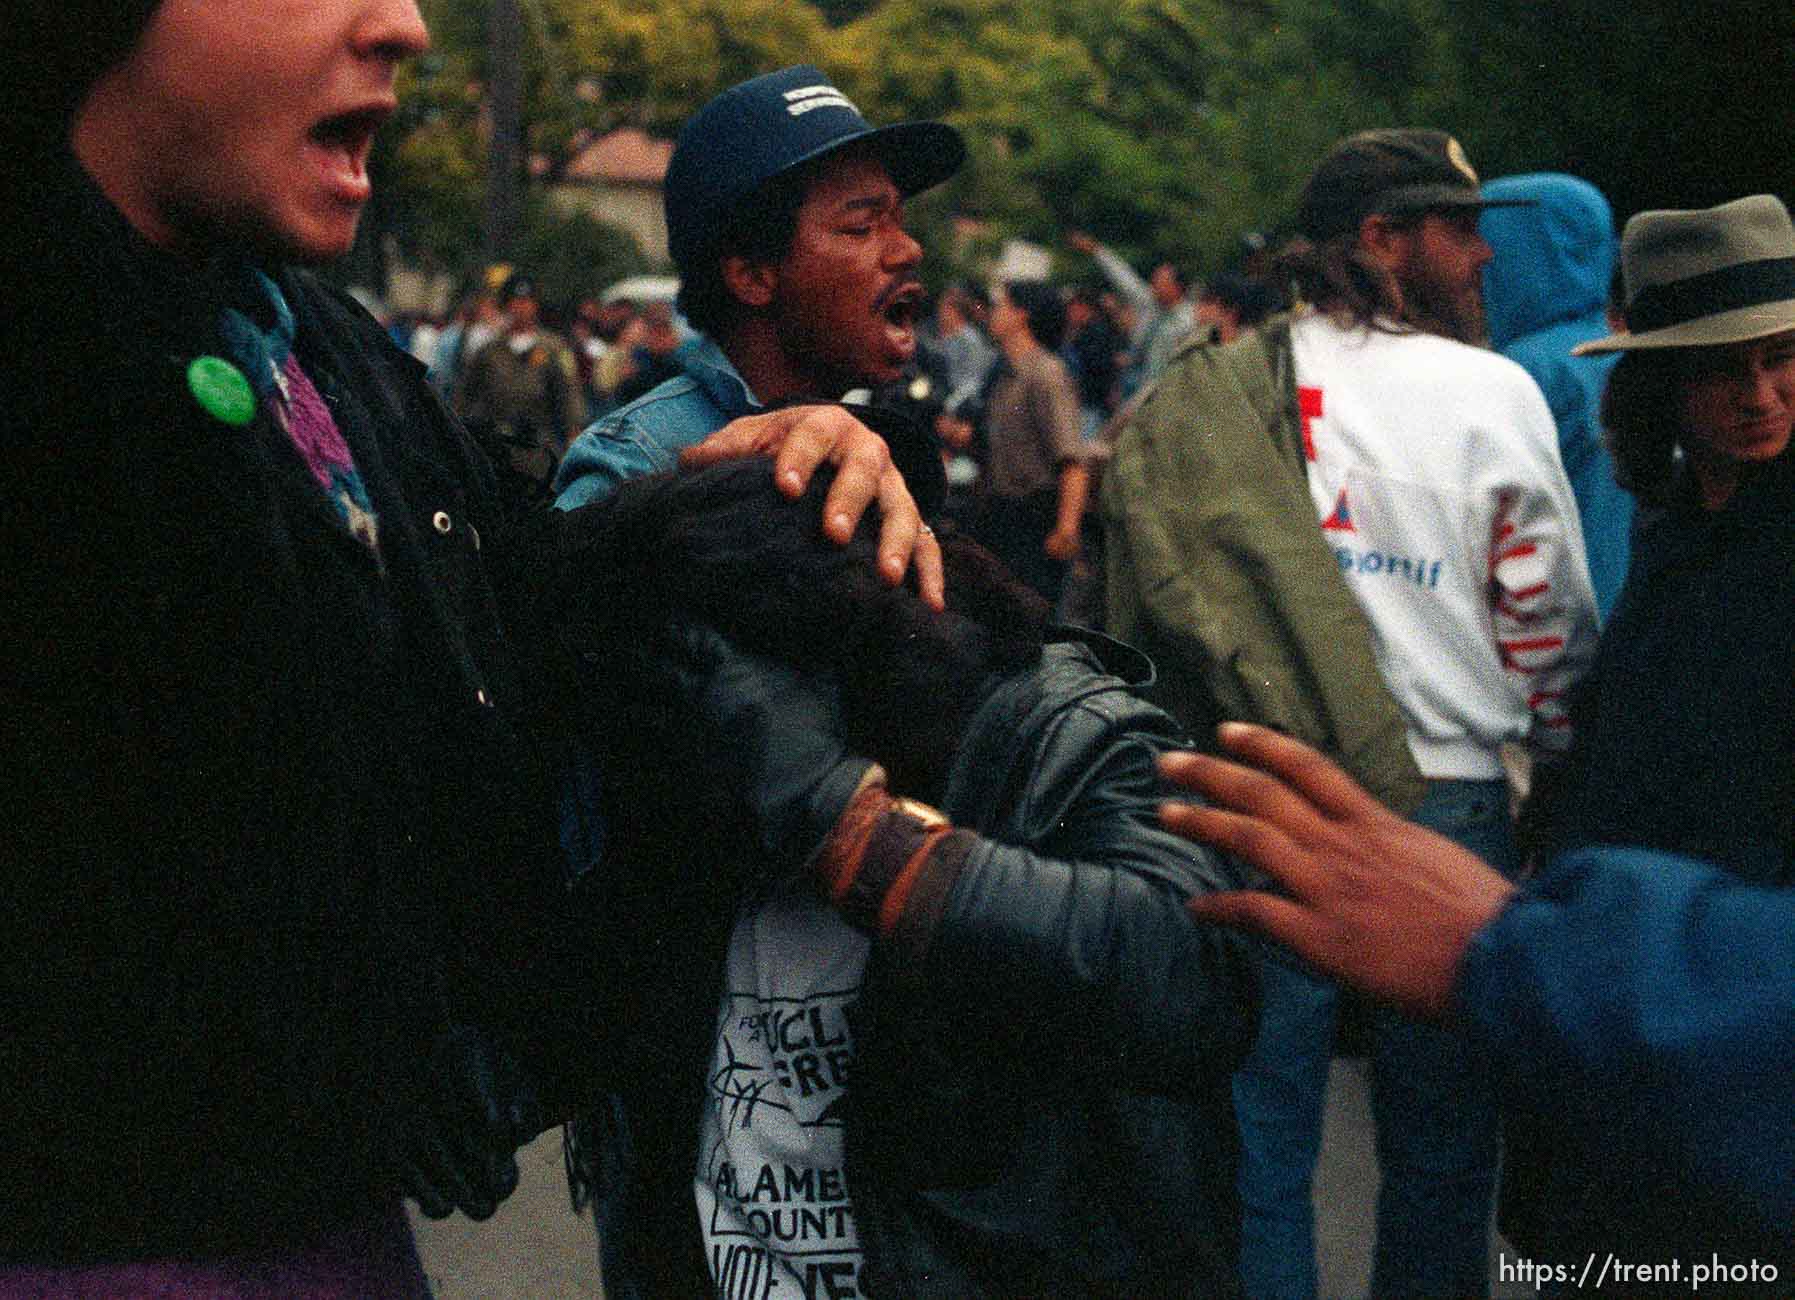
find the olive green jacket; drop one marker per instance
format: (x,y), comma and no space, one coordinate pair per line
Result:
(1216,568)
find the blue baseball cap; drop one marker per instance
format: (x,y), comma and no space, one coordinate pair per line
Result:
(761,129)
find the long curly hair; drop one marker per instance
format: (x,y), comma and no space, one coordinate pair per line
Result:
(722,546)
(1339,278)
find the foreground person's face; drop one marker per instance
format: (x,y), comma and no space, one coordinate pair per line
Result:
(249,121)
(1739,401)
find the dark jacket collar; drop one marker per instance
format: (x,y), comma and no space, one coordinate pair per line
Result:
(1117,658)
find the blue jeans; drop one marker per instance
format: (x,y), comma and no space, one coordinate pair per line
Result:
(1432,1105)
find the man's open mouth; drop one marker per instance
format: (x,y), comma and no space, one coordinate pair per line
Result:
(901,306)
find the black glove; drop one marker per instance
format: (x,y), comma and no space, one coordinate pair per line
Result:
(457,1149)
(762,730)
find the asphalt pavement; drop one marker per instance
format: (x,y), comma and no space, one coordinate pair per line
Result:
(534,1248)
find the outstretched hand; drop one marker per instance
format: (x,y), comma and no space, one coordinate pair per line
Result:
(803,437)
(1376,901)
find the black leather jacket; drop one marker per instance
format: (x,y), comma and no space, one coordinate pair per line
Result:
(1041,1099)
(1042,1086)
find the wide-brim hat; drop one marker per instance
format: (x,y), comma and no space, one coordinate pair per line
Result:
(761,129)
(1704,278)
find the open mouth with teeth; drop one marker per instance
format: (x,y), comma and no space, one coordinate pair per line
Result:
(900,310)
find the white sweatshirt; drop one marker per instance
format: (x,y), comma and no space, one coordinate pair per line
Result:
(1434,469)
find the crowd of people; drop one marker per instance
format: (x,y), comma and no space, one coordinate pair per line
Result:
(915,802)
(526,376)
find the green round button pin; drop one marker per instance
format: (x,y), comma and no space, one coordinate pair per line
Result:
(220,388)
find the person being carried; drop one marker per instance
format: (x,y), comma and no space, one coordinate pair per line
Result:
(859,969)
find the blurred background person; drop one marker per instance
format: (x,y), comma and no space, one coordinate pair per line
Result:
(627,330)
(1037,476)
(1232,302)
(608,351)
(521,395)
(477,321)
(421,342)
(965,351)
(1162,310)
(1090,351)
(654,356)
(588,347)
(1544,292)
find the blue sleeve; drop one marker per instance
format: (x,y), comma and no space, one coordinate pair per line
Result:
(607,455)
(1638,992)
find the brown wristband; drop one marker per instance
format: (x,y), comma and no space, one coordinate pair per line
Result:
(870,894)
(837,862)
(891,907)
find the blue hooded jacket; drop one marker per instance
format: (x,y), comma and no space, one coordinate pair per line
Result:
(1545,291)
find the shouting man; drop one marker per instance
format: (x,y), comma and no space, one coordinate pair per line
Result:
(785,217)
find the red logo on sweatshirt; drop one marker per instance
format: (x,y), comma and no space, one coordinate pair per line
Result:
(1308,403)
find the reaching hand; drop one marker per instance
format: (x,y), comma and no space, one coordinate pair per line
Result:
(804,437)
(1377,901)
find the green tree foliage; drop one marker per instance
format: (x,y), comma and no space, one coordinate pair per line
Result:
(453,77)
(1165,127)
(436,162)
(589,66)
(572,255)
(653,62)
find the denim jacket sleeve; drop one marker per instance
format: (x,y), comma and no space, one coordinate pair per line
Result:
(647,436)
(607,455)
